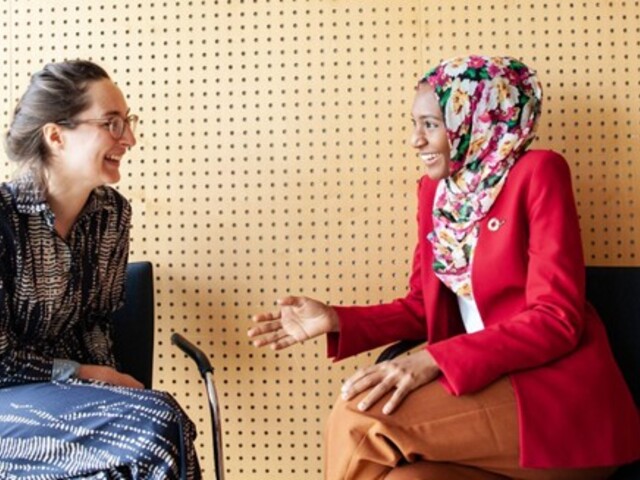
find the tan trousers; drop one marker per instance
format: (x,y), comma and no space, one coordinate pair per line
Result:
(434,435)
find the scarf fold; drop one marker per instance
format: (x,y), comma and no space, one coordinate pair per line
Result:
(491,107)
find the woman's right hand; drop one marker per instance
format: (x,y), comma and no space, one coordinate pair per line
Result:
(108,375)
(297,320)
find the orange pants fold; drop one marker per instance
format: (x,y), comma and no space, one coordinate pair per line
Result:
(434,435)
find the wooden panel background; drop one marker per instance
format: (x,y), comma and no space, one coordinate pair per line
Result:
(272,159)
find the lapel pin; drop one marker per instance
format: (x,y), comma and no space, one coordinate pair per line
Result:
(494,224)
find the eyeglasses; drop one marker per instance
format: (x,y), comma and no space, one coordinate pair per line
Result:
(115,124)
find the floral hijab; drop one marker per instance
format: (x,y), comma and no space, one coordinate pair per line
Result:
(491,106)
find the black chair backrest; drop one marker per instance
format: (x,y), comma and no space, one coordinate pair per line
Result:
(615,294)
(133,324)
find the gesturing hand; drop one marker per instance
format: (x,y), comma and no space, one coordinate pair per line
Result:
(299,319)
(403,374)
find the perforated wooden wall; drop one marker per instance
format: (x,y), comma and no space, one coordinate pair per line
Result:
(272,159)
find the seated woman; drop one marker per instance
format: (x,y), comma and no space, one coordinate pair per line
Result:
(527,387)
(65,410)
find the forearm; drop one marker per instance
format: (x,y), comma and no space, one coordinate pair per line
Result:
(98,343)
(470,362)
(25,366)
(364,328)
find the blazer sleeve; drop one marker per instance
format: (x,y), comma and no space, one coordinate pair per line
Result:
(551,322)
(366,327)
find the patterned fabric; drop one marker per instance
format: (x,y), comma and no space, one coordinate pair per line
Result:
(88,430)
(56,296)
(491,107)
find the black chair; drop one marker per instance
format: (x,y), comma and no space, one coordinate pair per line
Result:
(133,334)
(615,294)
(133,324)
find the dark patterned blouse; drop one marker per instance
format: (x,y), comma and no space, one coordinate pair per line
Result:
(55,294)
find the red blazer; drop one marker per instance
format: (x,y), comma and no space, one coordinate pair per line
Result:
(575,409)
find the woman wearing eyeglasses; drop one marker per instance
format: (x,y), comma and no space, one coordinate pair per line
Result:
(65,410)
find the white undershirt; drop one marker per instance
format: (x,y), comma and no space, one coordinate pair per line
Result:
(470,315)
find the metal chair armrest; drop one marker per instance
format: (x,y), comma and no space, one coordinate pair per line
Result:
(206,371)
(194,352)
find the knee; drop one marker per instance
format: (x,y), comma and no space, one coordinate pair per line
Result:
(357,444)
(347,422)
(345,415)
(176,422)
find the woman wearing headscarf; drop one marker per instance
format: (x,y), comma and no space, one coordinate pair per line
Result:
(517,379)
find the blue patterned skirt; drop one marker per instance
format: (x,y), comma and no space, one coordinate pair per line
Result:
(79,429)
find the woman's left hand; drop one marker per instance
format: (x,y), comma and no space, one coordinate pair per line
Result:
(107,374)
(403,374)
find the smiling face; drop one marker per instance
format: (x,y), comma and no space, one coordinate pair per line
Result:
(429,135)
(89,156)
